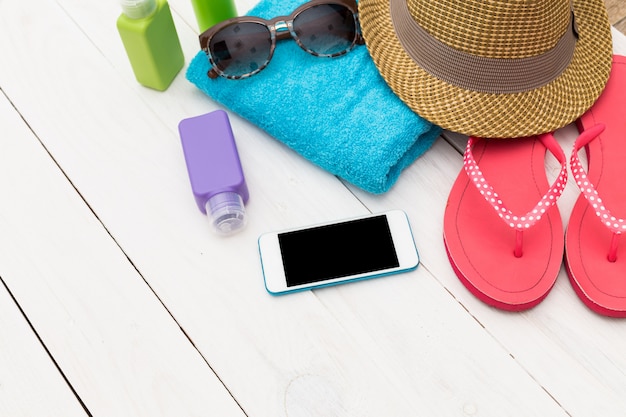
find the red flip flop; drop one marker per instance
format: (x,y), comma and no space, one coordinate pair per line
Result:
(595,257)
(509,261)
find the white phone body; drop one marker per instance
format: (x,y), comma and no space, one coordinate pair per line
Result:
(331,253)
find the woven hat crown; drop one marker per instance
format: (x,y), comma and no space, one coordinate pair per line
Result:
(491,68)
(494,28)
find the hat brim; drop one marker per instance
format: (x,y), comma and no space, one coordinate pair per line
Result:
(540,110)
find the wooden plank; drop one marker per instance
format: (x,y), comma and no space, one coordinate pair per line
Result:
(566,349)
(616,10)
(400,346)
(30,383)
(132,180)
(541,340)
(619,42)
(281,366)
(118,346)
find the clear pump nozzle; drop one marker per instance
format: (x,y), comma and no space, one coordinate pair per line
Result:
(226,212)
(138,9)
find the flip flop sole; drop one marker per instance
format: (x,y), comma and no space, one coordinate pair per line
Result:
(600,283)
(480,245)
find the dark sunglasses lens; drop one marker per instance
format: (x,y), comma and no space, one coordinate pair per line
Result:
(327,29)
(241,48)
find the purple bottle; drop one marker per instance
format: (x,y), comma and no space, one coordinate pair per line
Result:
(214,168)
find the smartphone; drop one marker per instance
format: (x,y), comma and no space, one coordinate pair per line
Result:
(337,252)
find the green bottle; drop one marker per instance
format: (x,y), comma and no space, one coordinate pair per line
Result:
(151,42)
(210,12)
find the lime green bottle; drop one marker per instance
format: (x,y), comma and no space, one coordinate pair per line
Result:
(210,12)
(151,42)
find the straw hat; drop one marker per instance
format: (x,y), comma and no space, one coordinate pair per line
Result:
(491,68)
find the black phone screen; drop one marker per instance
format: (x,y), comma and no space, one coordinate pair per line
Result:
(337,250)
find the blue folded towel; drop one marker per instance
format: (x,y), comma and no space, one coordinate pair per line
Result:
(337,112)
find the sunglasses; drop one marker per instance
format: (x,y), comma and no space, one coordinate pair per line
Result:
(242,46)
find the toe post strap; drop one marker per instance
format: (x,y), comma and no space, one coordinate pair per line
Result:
(588,190)
(518,222)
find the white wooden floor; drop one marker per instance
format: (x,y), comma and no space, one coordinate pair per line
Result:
(116,300)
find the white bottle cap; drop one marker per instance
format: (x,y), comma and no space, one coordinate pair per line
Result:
(226,212)
(138,9)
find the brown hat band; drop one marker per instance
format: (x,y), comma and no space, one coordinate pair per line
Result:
(477,73)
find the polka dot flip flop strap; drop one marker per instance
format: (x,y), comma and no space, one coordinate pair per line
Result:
(588,190)
(523,222)
(595,255)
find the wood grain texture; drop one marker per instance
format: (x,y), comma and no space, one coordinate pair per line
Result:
(617,13)
(139,310)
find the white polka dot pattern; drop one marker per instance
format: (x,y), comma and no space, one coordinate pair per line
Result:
(587,189)
(486,190)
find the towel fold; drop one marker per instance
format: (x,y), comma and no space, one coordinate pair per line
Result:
(337,112)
